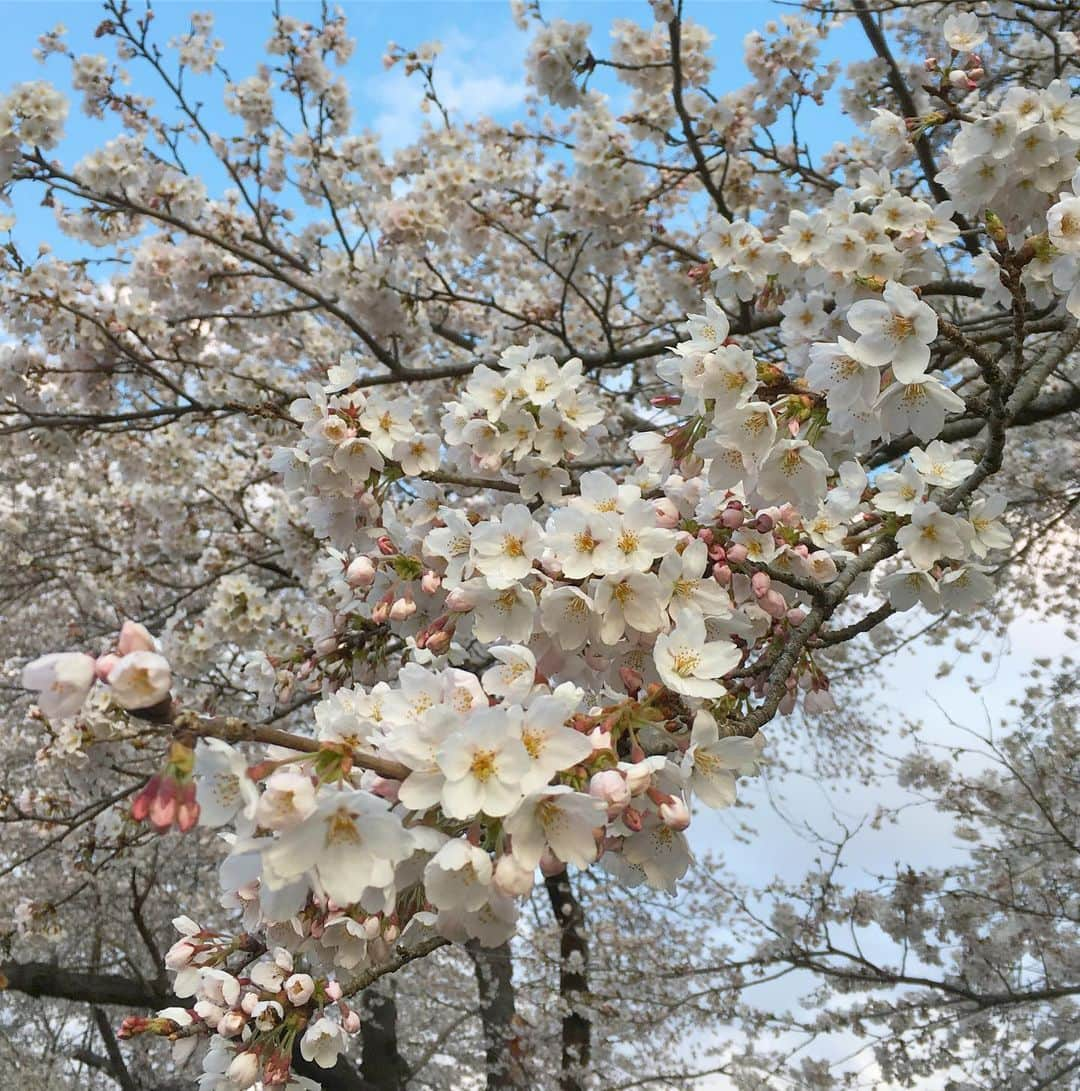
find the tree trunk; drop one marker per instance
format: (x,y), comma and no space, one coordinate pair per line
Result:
(381,1065)
(495,985)
(573,981)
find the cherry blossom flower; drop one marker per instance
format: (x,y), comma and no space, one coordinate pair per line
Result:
(62,681)
(560,819)
(895,330)
(140,679)
(690,665)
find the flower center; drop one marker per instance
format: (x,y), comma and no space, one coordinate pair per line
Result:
(483,765)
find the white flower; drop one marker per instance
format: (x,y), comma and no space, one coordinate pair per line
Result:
(918,407)
(684,584)
(938,465)
(795,473)
(707,331)
(140,679)
(452,542)
(541,479)
(930,535)
(689,665)
(299,988)
(504,549)
(458,876)
(964,588)
(896,329)
(712,763)
(962,32)
(560,819)
(418,454)
(61,680)
(583,542)
(628,598)
(484,763)
(749,428)
(989,532)
(899,492)
(843,373)
(661,852)
(357,457)
(287,799)
(322,1042)
(909,586)
(513,676)
(502,614)
(640,541)
(566,614)
(551,746)
(351,841)
(1063,224)
(222,784)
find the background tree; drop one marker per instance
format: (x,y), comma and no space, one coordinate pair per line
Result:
(813,452)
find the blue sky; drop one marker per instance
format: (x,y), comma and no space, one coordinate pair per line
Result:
(480,70)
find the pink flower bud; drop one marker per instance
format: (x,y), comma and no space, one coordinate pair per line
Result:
(457,602)
(383,788)
(209,1012)
(511,878)
(350,1022)
(163,806)
(402,609)
(386,547)
(244,1069)
(737,553)
(134,638)
(187,813)
(632,680)
(391,932)
(360,573)
(550,864)
(333,990)
(439,643)
(632,819)
(772,602)
(796,615)
(430,582)
(638,776)
(104,665)
(609,786)
(722,574)
(231,1024)
(380,612)
(958,78)
(667,514)
(675,814)
(761,583)
(764,523)
(179,955)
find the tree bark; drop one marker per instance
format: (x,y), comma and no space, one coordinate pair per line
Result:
(495,985)
(381,1065)
(573,981)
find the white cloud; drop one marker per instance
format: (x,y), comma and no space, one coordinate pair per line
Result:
(472,78)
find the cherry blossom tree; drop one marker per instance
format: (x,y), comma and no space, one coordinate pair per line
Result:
(409,545)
